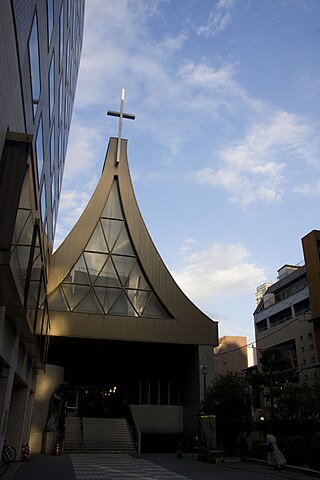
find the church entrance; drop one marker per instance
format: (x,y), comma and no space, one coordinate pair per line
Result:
(99,401)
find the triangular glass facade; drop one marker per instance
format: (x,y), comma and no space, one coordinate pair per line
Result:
(108,278)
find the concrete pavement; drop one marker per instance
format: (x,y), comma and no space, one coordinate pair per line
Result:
(145,467)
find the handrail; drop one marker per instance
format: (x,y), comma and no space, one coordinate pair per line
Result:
(137,433)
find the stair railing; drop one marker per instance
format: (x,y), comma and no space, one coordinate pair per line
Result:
(136,431)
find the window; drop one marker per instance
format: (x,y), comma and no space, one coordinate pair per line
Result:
(60,147)
(34,61)
(280,317)
(51,87)
(302,307)
(262,325)
(39,148)
(68,62)
(311,346)
(302,349)
(52,148)
(69,8)
(53,186)
(50,13)
(43,201)
(60,100)
(291,288)
(61,33)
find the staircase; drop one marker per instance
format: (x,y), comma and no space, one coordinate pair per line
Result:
(73,434)
(104,435)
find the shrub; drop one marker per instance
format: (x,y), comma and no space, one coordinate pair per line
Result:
(295,449)
(258,449)
(315,450)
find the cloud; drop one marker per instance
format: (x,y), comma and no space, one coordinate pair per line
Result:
(255,168)
(72,204)
(219,19)
(311,189)
(81,154)
(220,270)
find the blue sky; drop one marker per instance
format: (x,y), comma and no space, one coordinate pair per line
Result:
(225,149)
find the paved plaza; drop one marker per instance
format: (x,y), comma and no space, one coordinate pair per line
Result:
(146,467)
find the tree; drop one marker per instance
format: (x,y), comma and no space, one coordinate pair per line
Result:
(229,398)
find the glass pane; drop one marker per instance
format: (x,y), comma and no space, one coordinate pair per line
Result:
(34,63)
(61,33)
(139,299)
(97,242)
(39,148)
(123,307)
(51,86)
(27,232)
(23,259)
(144,391)
(89,304)
(21,218)
(137,279)
(57,300)
(112,229)
(74,293)
(52,145)
(174,392)
(95,262)
(37,265)
(33,294)
(123,245)
(50,18)
(113,207)
(164,392)
(79,273)
(60,106)
(108,276)
(154,392)
(123,267)
(43,201)
(154,309)
(107,296)
(42,291)
(53,190)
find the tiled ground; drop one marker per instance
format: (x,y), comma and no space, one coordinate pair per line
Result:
(119,467)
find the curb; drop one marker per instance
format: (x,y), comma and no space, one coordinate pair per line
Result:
(291,468)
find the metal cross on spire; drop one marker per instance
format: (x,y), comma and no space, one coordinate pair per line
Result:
(121,116)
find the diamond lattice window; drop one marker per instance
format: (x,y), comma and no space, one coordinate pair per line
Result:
(107,278)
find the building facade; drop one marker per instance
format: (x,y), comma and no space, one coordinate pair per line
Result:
(311,250)
(282,321)
(120,323)
(40,42)
(230,356)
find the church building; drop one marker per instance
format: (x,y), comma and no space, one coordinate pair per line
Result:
(124,339)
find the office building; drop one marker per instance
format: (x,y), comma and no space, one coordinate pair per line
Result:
(282,321)
(40,44)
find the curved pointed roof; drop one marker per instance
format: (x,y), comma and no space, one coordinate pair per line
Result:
(107,280)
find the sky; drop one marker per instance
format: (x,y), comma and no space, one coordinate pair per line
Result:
(224,153)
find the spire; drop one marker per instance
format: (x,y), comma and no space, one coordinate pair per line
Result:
(121,115)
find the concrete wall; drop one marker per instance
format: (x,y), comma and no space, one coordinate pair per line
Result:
(16,387)
(45,386)
(158,419)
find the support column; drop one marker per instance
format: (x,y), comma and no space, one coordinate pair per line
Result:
(40,441)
